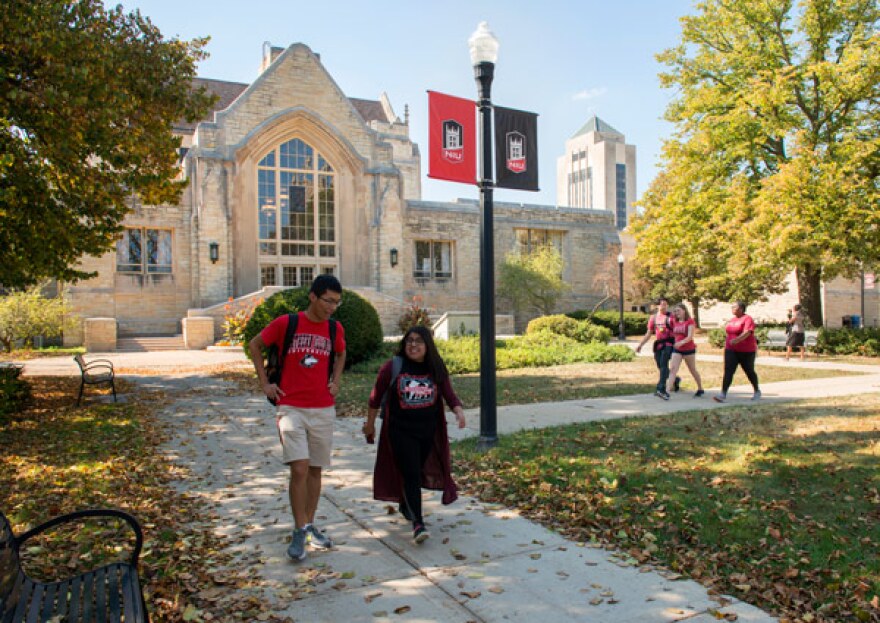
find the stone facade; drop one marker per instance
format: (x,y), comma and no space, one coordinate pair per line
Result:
(213,246)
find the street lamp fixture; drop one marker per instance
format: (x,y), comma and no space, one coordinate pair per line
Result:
(621,327)
(214,252)
(484,52)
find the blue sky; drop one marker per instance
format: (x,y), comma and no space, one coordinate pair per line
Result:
(565,60)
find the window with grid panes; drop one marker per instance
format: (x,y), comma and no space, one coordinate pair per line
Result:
(433,260)
(142,250)
(527,240)
(297,212)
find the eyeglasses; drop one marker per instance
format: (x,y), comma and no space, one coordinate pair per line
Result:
(414,341)
(332,302)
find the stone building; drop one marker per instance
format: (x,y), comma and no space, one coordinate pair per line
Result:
(288,178)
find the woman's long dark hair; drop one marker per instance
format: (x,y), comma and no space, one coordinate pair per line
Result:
(433,360)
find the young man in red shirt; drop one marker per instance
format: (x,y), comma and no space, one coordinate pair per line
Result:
(306,399)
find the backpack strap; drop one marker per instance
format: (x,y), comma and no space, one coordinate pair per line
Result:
(292,321)
(396,367)
(333,324)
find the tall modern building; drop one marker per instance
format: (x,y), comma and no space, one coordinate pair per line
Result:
(598,172)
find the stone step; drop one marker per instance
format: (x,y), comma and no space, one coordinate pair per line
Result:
(142,344)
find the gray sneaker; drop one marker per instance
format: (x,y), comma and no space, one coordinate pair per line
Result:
(756,395)
(317,538)
(297,549)
(720,398)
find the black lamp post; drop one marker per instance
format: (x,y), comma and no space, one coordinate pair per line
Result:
(621,327)
(484,52)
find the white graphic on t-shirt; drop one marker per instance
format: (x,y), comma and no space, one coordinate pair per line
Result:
(416,391)
(308,361)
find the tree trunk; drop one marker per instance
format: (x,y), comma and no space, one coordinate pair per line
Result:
(695,304)
(809,279)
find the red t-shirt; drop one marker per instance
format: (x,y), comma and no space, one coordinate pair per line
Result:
(680,331)
(661,325)
(736,327)
(306,367)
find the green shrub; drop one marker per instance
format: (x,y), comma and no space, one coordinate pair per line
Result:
(580,330)
(634,323)
(534,350)
(15,392)
(363,331)
(849,342)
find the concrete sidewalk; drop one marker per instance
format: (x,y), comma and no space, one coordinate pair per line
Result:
(483,563)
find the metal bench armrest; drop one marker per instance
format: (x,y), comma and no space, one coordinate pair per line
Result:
(77,515)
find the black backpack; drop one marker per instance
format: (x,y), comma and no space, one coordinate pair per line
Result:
(275,358)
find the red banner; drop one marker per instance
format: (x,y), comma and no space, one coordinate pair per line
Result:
(452,138)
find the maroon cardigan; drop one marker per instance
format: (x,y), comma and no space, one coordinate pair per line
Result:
(437,474)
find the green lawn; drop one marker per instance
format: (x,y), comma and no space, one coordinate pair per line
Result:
(776,504)
(569,382)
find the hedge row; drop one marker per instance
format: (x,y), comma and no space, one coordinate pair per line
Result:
(634,323)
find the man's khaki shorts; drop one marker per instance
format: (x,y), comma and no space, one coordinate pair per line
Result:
(306,434)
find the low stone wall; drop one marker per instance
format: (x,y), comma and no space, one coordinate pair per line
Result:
(455,323)
(99,335)
(198,332)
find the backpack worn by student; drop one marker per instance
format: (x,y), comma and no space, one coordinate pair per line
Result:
(396,367)
(668,341)
(275,358)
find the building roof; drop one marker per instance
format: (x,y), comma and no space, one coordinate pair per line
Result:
(228,92)
(595,125)
(370,110)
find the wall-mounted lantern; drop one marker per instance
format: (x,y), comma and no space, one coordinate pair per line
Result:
(393,258)
(214,252)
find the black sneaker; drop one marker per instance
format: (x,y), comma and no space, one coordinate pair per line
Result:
(661,395)
(420,533)
(677,384)
(699,393)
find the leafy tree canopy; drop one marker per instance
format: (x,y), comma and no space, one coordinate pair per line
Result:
(774,160)
(87,103)
(533,281)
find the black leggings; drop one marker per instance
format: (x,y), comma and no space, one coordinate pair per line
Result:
(746,361)
(411,446)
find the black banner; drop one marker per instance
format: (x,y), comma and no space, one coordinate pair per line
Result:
(516,149)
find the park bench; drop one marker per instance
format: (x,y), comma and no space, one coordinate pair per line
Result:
(95,372)
(109,594)
(776,338)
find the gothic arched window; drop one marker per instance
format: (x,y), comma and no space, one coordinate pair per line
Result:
(297,215)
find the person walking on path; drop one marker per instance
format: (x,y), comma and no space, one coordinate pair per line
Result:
(413,450)
(797,330)
(740,349)
(684,348)
(660,326)
(305,398)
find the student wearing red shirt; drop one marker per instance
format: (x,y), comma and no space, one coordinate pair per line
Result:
(740,350)
(684,348)
(660,326)
(306,399)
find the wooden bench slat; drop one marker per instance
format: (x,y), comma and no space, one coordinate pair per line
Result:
(75,597)
(49,602)
(35,601)
(101,586)
(88,597)
(131,593)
